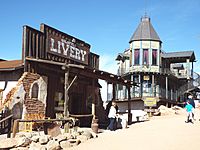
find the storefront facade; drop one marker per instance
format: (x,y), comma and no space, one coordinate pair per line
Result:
(59,79)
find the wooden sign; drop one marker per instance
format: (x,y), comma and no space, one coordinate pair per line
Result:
(150,101)
(65,46)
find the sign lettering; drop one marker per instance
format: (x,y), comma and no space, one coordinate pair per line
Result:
(67,49)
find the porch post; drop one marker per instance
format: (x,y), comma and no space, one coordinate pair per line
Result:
(166,87)
(153,89)
(66,109)
(107,90)
(93,98)
(141,84)
(114,91)
(129,106)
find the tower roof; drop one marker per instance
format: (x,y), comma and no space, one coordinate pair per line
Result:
(145,31)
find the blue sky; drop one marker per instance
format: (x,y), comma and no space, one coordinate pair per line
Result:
(106,25)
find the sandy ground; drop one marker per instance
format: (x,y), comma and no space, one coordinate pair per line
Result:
(159,133)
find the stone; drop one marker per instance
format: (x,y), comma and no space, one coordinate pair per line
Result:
(53,145)
(37,146)
(82,138)
(94,135)
(74,142)
(54,130)
(8,143)
(43,139)
(23,142)
(68,136)
(20,148)
(88,134)
(60,138)
(65,145)
(35,138)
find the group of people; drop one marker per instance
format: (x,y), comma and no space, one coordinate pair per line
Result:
(190,106)
(112,109)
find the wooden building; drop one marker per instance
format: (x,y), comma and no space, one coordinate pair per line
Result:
(160,75)
(57,74)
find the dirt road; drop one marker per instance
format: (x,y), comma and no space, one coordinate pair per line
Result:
(160,133)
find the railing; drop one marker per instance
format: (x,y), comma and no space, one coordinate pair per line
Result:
(122,71)
(151,91)
(5,123)
(189,86)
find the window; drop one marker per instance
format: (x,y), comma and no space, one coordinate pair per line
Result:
(154,57)
(145,56)
(136,56)
(34,92)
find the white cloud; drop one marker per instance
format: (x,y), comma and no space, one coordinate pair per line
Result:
(108,64)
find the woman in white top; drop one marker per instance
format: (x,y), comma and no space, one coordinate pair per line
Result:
(112,116)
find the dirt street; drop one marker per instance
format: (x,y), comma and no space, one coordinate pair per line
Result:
(160,133)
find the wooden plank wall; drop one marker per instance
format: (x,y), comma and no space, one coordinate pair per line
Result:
(33,44)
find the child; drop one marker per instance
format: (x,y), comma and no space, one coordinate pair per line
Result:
(189,109)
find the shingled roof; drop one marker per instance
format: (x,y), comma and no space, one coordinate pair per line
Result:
(179,55)
(145,31)
(11,64)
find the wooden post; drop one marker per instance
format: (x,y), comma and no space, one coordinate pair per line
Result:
(153,85)
(129,106)
(66,109)
(166,87)
(114,91)
(93,99)
(15,128)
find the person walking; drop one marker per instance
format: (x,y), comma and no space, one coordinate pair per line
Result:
(191,101)
(112,116)
(189,108)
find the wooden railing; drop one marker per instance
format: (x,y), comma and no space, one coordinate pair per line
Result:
(5,125)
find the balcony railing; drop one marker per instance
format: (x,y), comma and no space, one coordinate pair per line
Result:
(156,92)
(122,71)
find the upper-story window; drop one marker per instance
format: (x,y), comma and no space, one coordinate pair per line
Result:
(35,89)
(136,56)
(154,57)
(145,56)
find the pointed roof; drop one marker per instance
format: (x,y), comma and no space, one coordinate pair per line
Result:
(145,31)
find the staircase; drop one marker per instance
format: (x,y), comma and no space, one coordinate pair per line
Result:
(191,85)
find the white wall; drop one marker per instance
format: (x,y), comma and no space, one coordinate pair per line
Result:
(10,85)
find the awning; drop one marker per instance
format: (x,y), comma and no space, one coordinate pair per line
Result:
(88,72)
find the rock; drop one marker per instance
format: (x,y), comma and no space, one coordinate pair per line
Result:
(82,138)
(23,142)
(68,136)
(60,138)
(65,145)
(8,143)
(88,134)
(37,146)
(20,148)
(54,130)
(43,139)
(74,142)
(35,138)
(53,145)
(165,110)
(94,135)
